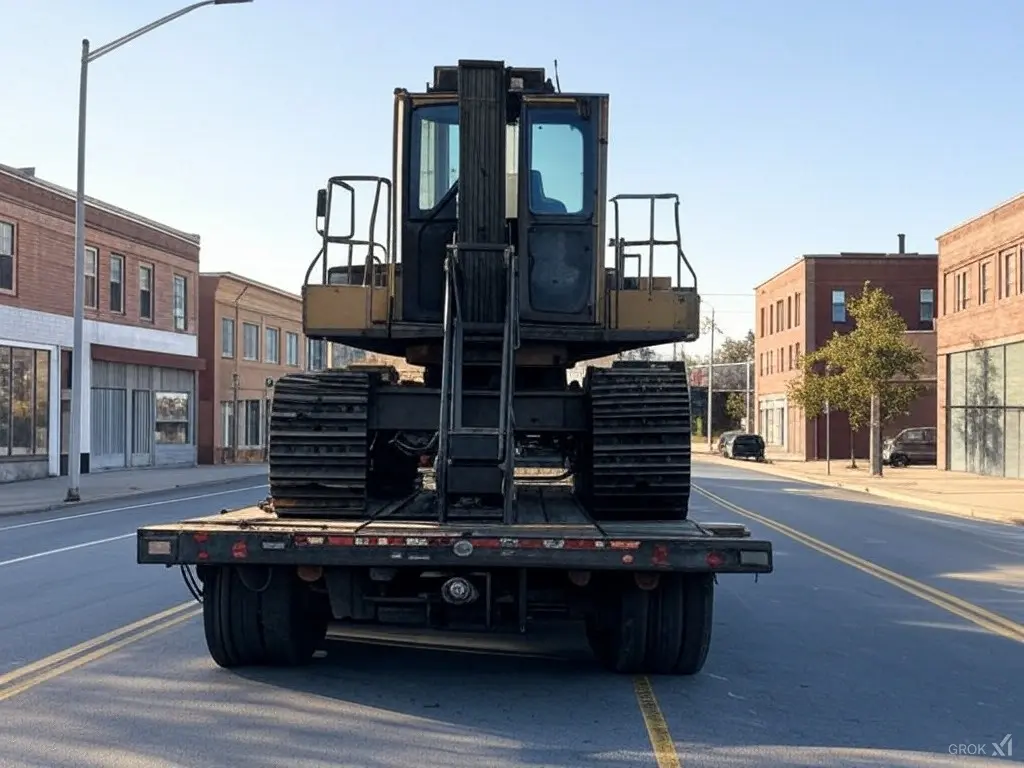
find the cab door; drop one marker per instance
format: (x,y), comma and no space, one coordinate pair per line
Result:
(561,191)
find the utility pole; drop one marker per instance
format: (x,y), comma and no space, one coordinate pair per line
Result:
(749,364)
(711,378)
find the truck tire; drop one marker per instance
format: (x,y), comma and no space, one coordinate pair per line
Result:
(698,602)
(666,625)
(231,619)
(294,625)
(664,631)
(617,628)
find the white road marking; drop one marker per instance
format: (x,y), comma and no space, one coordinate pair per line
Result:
(58,551)
(129,508)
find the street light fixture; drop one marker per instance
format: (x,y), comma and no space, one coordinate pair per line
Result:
(78,357)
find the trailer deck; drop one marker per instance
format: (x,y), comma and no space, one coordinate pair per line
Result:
(553,531)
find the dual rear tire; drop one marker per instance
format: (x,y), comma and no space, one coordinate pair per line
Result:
(660,631)
(261,616)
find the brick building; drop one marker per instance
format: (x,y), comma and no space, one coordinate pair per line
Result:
(980,343)
(797,310)
(250,334)
(140,334)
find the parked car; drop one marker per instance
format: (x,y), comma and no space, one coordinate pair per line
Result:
(725,436)
(743,445)
(915,445)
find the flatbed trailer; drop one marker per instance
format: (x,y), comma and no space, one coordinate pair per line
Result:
(271,585)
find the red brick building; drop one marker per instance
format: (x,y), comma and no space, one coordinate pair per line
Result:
(980,329)
(798,309)
(140,334)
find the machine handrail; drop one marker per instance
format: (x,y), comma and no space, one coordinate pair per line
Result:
(620,244)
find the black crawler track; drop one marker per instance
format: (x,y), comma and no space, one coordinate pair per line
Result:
(640,419)
(318,444)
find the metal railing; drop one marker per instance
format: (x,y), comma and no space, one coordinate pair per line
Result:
(652,242)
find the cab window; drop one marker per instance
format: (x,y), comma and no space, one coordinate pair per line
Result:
(557,162)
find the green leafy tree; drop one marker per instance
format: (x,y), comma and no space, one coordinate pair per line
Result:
(736,406)
(875,358)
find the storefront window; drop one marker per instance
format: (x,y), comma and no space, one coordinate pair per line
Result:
(24,401)
(172,424)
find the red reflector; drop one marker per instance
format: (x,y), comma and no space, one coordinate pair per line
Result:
(201,538)
(340,541)
(486,543)
(239,550)
(715,559)
(660,555)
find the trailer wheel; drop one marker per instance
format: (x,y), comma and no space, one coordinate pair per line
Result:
(294,625)
(231,619)
(667,625)
(698,593)
(617,628)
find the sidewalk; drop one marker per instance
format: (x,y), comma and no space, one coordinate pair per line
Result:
(48,493)
(996,499)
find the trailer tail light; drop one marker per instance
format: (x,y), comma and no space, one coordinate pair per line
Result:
(659,555)
(715,559)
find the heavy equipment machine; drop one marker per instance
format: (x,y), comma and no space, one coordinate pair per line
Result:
(483,262)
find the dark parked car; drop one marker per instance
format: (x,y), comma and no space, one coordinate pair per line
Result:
(916,445)
(743,445)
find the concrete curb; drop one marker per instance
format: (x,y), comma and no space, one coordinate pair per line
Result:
(124,496)
(924,505)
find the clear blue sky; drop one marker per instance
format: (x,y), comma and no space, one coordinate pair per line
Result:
(788,127)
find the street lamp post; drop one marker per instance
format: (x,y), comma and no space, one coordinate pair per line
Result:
(78,361)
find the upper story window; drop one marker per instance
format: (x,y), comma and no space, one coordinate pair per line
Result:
(180,303)
(291,348)
(796,309)
(116,283)
(558,162)
(92,298)
(838,306)
(273,351)
(227,337)
(961,291)
(250,341)
(926,305)
(983,284)
(146,292)
(762,322)
(1008,283)
(6,256)
(316,354)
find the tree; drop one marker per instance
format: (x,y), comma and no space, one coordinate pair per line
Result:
(736,350)
(736,406)
(875,358)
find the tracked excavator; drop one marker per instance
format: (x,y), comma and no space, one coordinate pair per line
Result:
(484,262)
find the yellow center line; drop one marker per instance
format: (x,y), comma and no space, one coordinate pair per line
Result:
(657,729)
(22,679)
(993,622)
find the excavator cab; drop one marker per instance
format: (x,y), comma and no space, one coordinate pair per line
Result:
(498,156)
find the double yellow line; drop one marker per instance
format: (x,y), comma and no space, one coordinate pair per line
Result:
(31,675)
(975,614)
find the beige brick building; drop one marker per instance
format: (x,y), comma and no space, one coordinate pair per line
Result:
(980,343)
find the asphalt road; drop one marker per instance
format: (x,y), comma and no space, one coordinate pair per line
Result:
(827,662)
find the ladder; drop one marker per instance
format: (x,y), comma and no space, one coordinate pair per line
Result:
(474,461)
